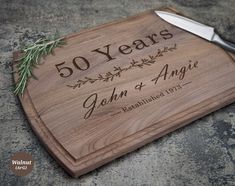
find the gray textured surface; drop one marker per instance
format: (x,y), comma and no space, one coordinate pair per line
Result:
(202,153)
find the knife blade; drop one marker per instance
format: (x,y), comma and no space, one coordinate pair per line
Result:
(199,29)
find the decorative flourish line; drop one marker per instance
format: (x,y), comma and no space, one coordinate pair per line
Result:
(117,71)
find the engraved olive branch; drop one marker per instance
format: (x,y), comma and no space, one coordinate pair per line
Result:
(117,71)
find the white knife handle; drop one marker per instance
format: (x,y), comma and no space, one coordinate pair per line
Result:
(224,44)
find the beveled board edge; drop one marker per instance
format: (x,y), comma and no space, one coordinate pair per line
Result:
(135,141)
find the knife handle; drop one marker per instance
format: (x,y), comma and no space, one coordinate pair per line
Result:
(224,44)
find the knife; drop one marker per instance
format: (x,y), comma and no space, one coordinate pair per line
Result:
(199,29)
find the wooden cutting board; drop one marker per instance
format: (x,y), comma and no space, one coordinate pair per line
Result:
(116,87)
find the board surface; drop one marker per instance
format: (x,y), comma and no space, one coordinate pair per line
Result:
(116,87)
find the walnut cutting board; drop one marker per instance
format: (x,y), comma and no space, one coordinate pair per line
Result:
(116,87)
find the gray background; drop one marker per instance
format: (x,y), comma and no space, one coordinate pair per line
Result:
(202,153)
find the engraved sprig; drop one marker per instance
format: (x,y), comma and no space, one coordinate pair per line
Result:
(117,71)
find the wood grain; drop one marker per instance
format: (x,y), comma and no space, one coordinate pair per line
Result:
(162,76)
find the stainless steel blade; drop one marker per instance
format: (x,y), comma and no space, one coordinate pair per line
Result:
(194,27)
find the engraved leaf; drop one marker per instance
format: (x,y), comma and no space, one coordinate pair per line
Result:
(100,77)
(108,74)
(117,68)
